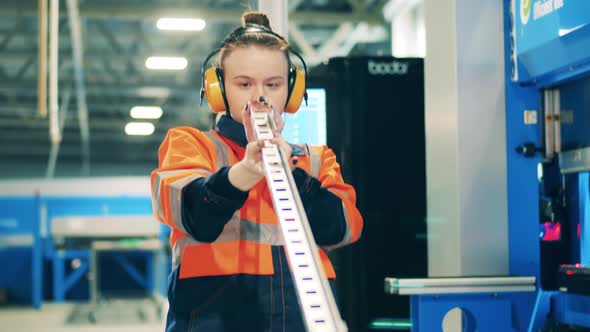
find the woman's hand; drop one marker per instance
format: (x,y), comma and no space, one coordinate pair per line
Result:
(265,105)
(253,155)
(246,173)
(253,158)
(286,149)
(249,171)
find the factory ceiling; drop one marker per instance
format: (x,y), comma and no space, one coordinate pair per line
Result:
(98,86)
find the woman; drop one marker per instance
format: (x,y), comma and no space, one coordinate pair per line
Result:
(230,272)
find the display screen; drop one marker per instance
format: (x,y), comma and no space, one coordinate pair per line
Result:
(550,231)
(308,125)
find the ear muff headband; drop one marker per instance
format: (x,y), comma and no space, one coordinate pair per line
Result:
(213,88)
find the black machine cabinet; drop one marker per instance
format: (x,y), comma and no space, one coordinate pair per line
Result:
(375,125)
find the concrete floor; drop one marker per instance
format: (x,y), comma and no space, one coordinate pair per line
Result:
(59,317)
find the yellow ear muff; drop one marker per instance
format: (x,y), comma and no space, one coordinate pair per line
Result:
(214,90)
(297,92)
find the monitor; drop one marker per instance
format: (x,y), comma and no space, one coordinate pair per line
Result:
(308,125)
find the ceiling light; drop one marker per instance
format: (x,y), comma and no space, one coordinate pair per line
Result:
(167,63)
(183,24)
(146,112)
(139,128)
(153,92)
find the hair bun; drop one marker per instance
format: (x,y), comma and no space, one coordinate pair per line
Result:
(254,17)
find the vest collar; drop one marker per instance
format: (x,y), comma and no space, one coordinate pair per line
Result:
(232,129)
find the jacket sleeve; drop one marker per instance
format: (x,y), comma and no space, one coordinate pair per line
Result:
(330,204)
(187,193)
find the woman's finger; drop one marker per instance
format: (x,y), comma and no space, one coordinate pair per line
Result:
(255,146)
(284,146)
(260,144)
(247,119)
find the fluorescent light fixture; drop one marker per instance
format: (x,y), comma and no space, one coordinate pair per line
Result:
(139,129)
(146,112)
(155,92)
(182,24)
(166,63)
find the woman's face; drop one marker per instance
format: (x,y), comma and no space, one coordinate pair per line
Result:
(251,72)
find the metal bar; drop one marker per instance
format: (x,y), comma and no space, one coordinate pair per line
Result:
(105,226)
(15,241)
(21,72)
(340,35)
(93,276)
(116,45)
(94,56)
(147,90)
(58,276)
(75,276)
(541,310)
(132,271)
(37,256)
(106,62)
(142,36)
(105,137)
(464,281)
(75,253)
(11,34)
(77,54)
(465,290)
(97,107)
(71,156)
(314,295)
(309,53)
(548,123)
(110,38)
(556,120)
(53,73)
(459,285)
(150,263)
(54,150)
(574,161)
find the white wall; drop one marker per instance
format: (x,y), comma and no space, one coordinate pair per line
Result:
(408,33)
(96,186)
(465,138)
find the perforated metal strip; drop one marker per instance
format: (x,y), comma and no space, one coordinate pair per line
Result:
(313,291)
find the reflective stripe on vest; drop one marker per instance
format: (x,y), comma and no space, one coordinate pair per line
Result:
(235,230)
(174,191)
(221,150)
(238,229)
(347,235)
(315,165)
(315,162)
(176,187)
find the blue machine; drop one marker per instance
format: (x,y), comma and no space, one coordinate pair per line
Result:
(21,248)
(71,279)
(55,263)
(547,53)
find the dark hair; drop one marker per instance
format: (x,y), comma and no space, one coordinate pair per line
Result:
(241,37)
(253,17)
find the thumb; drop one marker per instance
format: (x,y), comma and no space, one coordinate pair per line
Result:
(247,119)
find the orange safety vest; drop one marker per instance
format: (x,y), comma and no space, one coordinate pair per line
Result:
(244,246)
